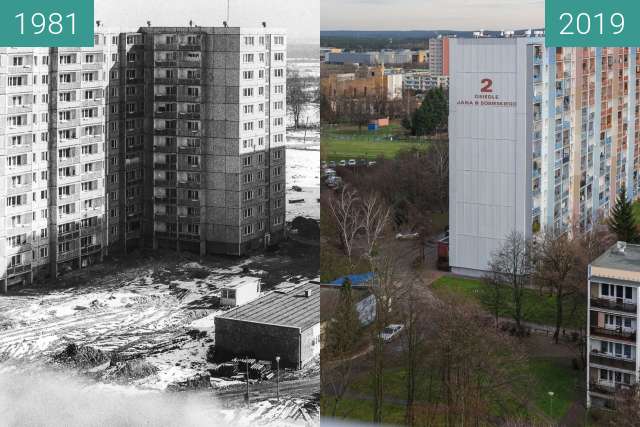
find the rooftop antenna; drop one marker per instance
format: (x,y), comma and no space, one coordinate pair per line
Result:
(224,23)
(148,23)
(98,23)
(264,24)
(191,22)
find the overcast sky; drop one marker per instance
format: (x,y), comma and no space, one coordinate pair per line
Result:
(301,18)
(431,14)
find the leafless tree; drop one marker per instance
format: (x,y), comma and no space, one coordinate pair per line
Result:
(479,367)
(414,340)
(555,258)
(384,291)
(337,376)
(375,218)
(511,266)
(348,215)
(297,95)
(437,162)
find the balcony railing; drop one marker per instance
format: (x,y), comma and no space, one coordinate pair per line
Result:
(612,304)
(18,269)
(613,361)
(613,333)
(606,388)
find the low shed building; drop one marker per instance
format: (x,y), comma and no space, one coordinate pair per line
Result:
(283,323)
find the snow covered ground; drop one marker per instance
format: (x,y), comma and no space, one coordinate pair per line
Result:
(303,170)
(303,150)
(145,311)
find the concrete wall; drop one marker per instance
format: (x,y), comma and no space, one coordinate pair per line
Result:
(240,338)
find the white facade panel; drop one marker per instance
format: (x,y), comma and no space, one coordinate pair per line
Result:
(488,147)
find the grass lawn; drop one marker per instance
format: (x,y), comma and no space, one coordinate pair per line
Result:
(552,375)
(538,308)
(347,142)
(636,211)
(362,410)
(334,264)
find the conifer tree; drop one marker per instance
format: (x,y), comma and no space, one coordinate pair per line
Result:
(622,222)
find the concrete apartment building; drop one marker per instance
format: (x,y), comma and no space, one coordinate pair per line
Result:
(164,137)
(363,82)
(612,341)
(539,137)
(422,81)
(439,56)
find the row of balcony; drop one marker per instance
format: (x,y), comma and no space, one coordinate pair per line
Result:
(611,360)
(614,304)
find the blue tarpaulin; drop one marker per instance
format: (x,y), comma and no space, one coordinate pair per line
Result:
(355,279)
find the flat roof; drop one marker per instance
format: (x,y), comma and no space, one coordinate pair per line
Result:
(290,308)
(627,260)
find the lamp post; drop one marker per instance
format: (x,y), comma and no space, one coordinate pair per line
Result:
(246,362)
(278,378)
(551,403)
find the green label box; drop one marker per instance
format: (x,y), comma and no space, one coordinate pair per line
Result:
(592,23)
(46,23)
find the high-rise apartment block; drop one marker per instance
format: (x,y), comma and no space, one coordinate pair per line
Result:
(540,137)
(612,339)
(439,55)
(165,137)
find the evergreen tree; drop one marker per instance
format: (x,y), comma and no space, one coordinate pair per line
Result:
(344,330)
(432,115)
(622,222)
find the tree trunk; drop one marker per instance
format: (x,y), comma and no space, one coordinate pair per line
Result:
(556,334)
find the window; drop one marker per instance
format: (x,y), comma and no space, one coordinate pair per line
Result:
(18,61)
(278,56)
(278,40)
(247,57)
(248,41)
(247,75)
(247,229)
(247,91)
(17,81)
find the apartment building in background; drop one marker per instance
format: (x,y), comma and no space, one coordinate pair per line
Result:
(539,137)
(165,137)
(612,339)
(439,55)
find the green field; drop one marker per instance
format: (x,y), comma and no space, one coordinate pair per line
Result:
(545,374)
(347,142)
(538,308)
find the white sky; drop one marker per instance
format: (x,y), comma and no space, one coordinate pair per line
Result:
(301,18)
(431,14)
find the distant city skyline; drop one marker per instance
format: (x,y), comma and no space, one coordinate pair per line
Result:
(299,18)
(431,14)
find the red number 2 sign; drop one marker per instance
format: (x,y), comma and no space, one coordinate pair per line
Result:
(486,85)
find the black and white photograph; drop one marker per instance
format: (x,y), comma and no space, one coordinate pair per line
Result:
(160,219)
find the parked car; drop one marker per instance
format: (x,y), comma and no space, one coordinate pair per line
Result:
(334,182)
(372,163)
(323,165)
(342,163)
(362,162)
(391,331)
(352,162)
(329,172)
(332,164)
